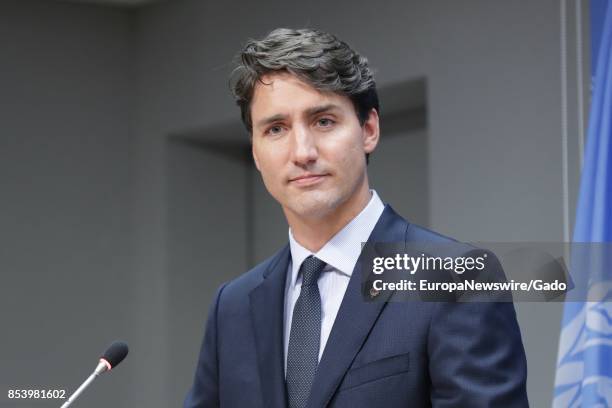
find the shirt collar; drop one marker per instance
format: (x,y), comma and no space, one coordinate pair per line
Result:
(343,249)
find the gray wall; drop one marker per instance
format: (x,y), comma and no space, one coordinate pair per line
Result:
(202,242)
(99,190)
(66,97)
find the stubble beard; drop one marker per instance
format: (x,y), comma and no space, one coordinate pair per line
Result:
(320,204)
(315,204)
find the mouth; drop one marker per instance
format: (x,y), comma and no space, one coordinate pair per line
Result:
(307,179)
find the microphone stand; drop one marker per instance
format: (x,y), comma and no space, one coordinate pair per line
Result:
(102,367)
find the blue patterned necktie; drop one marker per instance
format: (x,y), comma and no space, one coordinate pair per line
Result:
(305,335)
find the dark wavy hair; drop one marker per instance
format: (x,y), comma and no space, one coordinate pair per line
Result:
(316,57)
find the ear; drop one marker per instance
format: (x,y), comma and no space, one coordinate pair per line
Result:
(371,132)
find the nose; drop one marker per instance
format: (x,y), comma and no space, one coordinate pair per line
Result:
(304,149)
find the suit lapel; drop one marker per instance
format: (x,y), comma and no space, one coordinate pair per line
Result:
(267,312)
(355,318)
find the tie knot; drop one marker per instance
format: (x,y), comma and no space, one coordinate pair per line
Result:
(311,269)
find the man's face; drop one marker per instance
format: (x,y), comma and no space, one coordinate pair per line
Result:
(309,146)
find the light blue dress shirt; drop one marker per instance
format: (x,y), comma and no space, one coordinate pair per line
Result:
(340,254)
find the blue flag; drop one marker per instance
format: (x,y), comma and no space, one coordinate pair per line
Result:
(584,365)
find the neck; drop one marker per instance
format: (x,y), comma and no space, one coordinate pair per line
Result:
(314,232)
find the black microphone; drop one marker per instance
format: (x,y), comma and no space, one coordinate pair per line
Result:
(113,355)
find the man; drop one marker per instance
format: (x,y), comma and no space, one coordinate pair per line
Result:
(295,330)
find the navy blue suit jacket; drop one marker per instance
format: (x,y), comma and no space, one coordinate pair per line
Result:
(379,354)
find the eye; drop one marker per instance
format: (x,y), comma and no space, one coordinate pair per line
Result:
(274,130)
(325,122)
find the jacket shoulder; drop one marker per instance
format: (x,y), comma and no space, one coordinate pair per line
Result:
(436,243)
(244,283)
(416,232)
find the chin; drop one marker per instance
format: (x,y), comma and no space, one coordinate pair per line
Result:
(316,205)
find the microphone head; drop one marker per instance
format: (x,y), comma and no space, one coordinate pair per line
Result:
(115,353)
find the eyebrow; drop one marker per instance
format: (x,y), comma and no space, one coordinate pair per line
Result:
(320,109)
(271,119)
(309,112)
